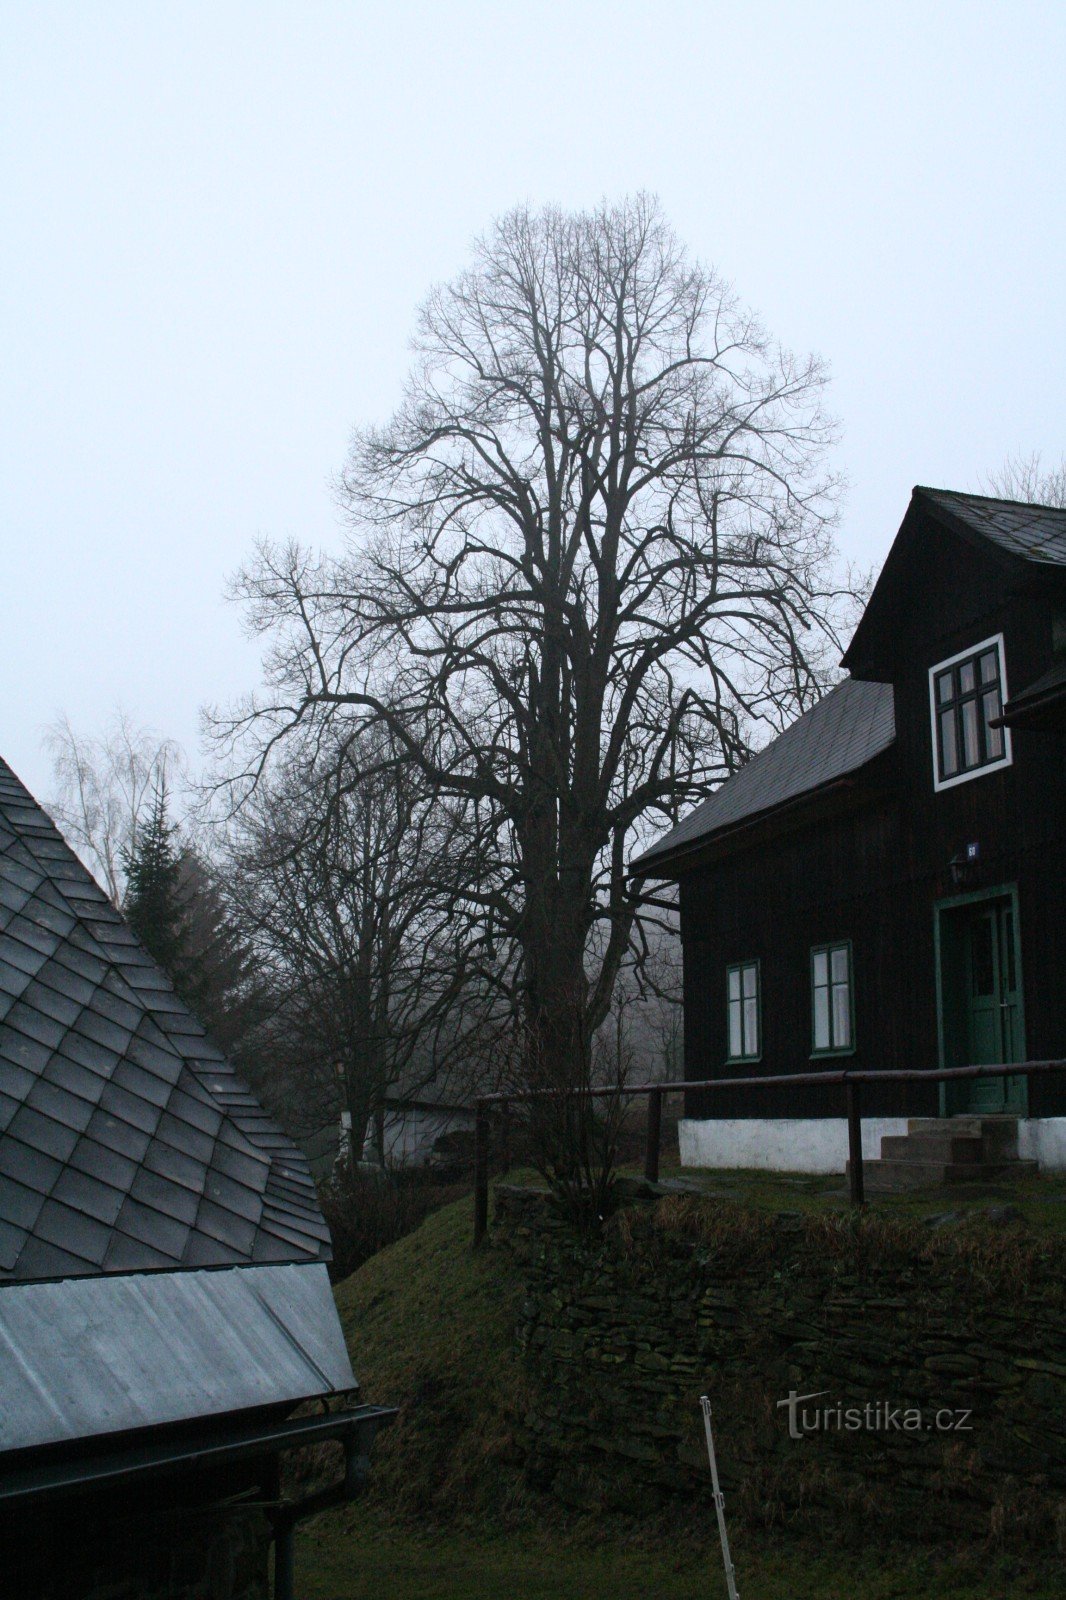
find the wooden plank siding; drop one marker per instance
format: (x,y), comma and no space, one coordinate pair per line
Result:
(869,862)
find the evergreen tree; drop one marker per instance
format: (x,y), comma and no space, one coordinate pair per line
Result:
(154,905)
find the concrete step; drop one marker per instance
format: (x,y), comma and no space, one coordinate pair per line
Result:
(897,1176)
(999,1134)
(942,1145)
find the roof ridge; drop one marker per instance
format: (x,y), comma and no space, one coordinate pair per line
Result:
(992,499)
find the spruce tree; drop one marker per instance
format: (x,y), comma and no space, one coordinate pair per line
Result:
(154,905)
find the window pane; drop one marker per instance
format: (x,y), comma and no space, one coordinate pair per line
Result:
(840,964)
(751,1028)
(734,983)
(967,680)
(971,749)
(734,1028)
(993,736)
(821,969)
(821,1019)
(749,980)
(989,667)
(949,760)
(841,1016)
(943,687)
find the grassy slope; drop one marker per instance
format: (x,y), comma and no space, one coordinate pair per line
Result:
(428,1323)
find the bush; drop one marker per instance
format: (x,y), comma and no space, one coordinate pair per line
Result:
(367,1209)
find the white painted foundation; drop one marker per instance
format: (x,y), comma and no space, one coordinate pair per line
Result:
(820,1144)
(779,1144)
(1043,1139)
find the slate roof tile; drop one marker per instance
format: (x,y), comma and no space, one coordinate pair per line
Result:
(40,1259)
(100,1161)
(82,1235)
(127,1142)
(160,1229)
(1037,533)
(12,1240)
(22,1204)
(83,1193)
(41,1133)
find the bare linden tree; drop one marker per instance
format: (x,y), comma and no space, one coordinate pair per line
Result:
(592,553)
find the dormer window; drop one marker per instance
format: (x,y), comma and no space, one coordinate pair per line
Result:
(966,695)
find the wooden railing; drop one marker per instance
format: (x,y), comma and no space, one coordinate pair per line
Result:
(851,1081)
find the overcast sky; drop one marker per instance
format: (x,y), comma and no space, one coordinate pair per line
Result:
(216,221)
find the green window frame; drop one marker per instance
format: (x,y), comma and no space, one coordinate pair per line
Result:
(832,999)
(743,1011)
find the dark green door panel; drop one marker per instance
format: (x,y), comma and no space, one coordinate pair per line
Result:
(979,984)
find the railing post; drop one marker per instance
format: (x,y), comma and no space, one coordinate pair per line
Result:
(481,1171)
(855,1182)
(505,1136)
(655,1122)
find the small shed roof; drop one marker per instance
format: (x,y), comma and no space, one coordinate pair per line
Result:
(106,1355)
(127,1140)
(851,725)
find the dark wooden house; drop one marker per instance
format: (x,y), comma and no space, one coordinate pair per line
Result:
(165,1304)
(883,885)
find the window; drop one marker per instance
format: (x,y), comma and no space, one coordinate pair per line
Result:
(832,1000)
(966,695)
(742,1011)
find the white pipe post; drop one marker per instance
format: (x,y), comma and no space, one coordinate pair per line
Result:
(719,1500)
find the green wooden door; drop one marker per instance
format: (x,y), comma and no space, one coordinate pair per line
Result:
(992,1005)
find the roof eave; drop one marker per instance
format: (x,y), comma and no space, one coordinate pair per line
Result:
(683,857)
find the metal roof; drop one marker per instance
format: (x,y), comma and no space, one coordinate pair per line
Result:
(127,1141)
(853,723)
(1036,533)
(103,1355)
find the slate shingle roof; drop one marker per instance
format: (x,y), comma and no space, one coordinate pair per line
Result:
(853,723)
(1036,533)
(127,1141)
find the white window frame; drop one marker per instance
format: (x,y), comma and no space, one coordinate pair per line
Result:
(740,967)
(1007,758)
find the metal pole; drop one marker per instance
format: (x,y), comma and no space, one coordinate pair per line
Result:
(719,1501)
(481,1171)
(655,1122)
(855,1176)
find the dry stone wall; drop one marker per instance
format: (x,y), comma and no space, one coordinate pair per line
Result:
(950,1352)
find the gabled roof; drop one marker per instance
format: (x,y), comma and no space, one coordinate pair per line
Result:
(1026,543)
(1034,532)
(127,1141)
(849,727)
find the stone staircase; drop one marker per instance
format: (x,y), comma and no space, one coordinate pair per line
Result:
(939,1151)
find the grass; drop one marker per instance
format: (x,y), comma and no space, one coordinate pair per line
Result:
(351,1555)
(429,1322)
(1040,1199)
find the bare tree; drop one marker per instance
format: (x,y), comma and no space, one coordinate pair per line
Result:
(105,788)
(1024,478)
(345,884)
(592,550)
